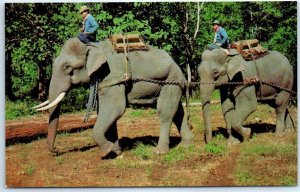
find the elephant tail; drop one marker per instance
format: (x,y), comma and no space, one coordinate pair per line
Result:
(187,91)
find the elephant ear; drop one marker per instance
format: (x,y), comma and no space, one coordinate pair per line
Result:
(235,65)
(97,55)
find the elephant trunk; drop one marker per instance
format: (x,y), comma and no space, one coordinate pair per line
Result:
(206,93)
(55,91)
(52,127)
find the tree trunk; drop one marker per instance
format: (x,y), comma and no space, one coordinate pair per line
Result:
(8,70)
(42,95)
(37,127)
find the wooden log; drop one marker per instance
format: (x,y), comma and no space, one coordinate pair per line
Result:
(33,127)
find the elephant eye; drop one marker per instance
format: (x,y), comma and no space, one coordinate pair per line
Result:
(68,68)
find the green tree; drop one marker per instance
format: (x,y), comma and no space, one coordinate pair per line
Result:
(35,33)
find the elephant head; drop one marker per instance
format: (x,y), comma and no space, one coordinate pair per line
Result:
(75,64)
(216,66)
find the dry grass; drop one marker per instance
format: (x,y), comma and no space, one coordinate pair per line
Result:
(264,160)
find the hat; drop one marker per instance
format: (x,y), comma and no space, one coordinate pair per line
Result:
(216,22)
(83,8)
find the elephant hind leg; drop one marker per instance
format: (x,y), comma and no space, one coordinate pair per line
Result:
(180,120)
(289,123)
(281,101)
(167,105)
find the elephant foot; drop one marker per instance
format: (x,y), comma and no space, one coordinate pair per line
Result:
(117,148)
(190,126)
(185,143)
(280,134)
(246,133)
(289,130)
(106,147)
(56,151)
(208,138)
(233,141)
(160,150)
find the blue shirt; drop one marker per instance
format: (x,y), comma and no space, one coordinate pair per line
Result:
(221,37)
(90,24)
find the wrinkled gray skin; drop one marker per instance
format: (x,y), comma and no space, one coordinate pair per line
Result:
(77,62)
(238,102)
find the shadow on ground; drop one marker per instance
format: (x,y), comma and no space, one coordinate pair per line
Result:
(256,128)
(130,143)
(127,143)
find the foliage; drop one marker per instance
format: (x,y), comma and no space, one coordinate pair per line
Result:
(258,149)
(17,109)
(218,146)
(175,154)
(30,169)
(143,151)
(215,148)
(245,177)
(279,153)
(288,181)
(35,33)
(76,100)
(179,153)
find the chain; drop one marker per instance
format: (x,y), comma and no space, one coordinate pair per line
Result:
(193,84)
(91,105)
(278,87)
(181,84)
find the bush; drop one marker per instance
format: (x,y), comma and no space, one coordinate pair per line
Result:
(215,148)
(75,100)
(18,109)
(143,151)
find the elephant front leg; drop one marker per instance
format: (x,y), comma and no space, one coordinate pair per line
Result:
(228,113)
(245,104)
(112,105)
(106,137)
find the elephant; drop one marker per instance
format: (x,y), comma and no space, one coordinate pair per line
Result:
(77,63)
(239,101)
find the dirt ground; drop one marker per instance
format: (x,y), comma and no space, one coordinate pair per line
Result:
(30,164)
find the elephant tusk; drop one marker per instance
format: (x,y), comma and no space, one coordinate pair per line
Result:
(41,105)
(54,103)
